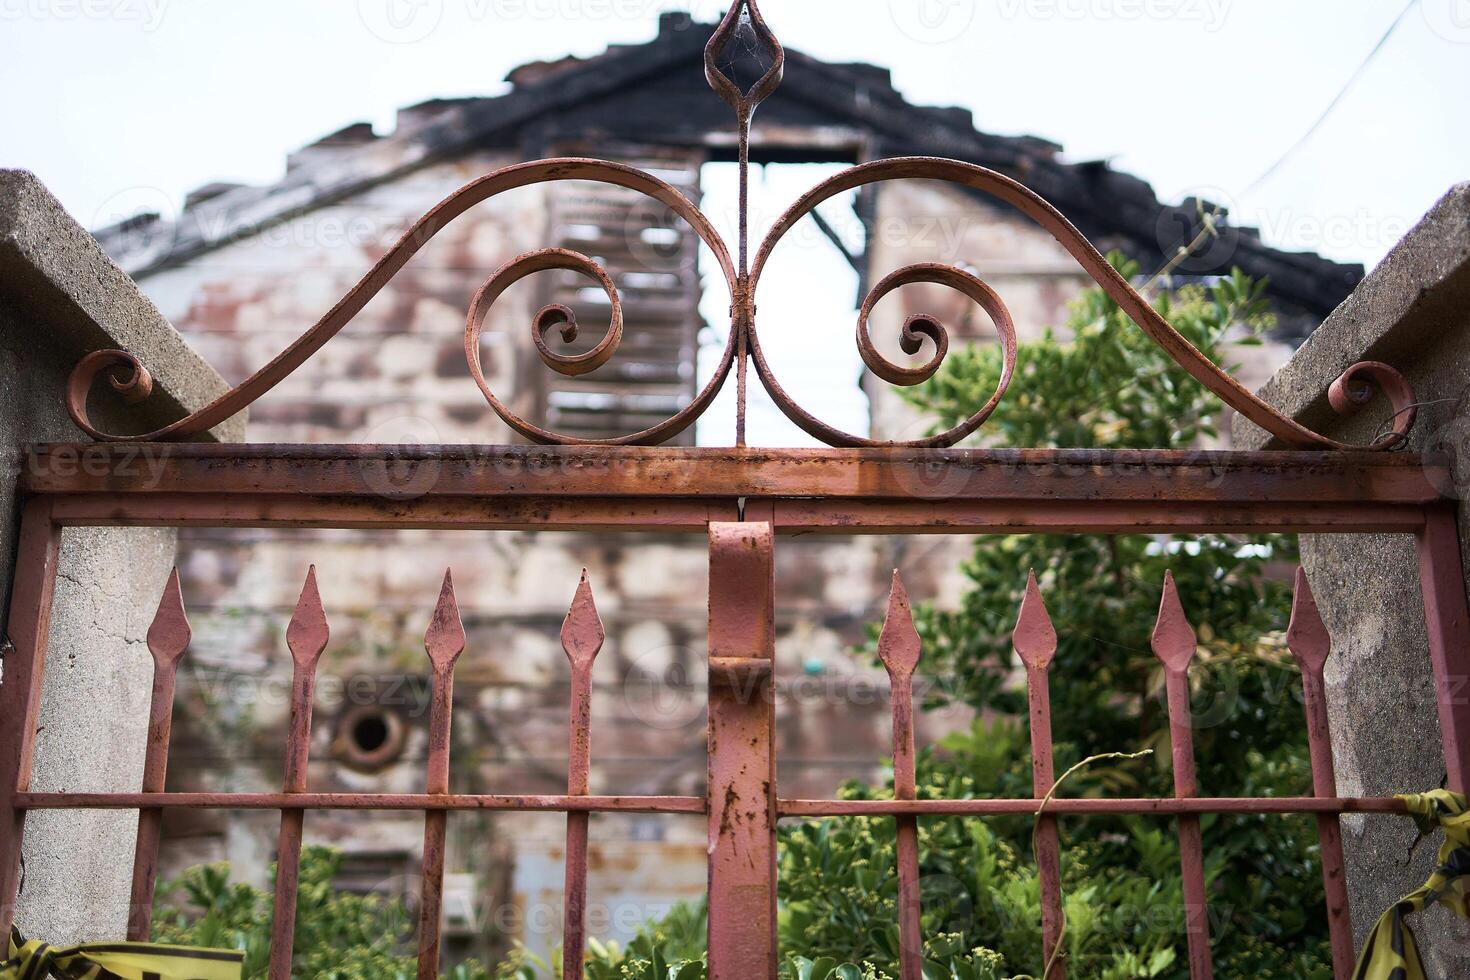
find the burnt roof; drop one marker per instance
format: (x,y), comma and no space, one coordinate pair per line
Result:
(654,94)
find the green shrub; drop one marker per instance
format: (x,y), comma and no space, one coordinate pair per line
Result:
(339,935)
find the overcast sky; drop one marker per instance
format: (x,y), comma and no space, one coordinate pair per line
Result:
(117,104)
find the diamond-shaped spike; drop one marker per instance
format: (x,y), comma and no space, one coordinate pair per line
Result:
(169,634)
(444,639)
(307,634)
(898,643)
(724,87)
(1034,637)
(1306,635)
(1174,640)
(581,631)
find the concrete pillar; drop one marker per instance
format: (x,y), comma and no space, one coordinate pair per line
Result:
(61,297)
(1412,312)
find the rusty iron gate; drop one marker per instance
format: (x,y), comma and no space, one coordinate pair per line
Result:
(743,499)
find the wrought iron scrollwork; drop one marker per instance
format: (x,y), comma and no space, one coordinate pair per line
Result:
(136,384)
(1355,388)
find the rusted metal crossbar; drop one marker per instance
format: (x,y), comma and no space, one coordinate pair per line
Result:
(742,499)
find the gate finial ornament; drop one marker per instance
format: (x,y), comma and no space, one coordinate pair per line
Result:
(743,14)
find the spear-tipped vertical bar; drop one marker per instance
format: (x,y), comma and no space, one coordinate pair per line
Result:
(444,641)
(1035,642)
(1174,644)
(168,638)
(306,636)
(581,637)
(1307,638)
(898,648)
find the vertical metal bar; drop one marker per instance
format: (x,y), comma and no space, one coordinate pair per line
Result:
(1442,579)
(20,693)
(1174,645)
(581,637)
(444,641)
(742,763)
(168,638)
(306,637)
(1035,642)
(1307,638)
(898,648)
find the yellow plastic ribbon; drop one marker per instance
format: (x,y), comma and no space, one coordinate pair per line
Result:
(32,960)
(1391,952)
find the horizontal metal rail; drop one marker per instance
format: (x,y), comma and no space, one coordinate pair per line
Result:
(696,804)
(1089,807)
(393,475)
(685,516)
(360,801)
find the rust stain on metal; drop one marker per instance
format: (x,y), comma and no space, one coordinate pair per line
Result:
(306,637)
(168,638)
(364,801)
(444,641)
(1035,642)
(582,636)
(1442,578)
(1174,643)
(1092,807)
(899,648)
(1306,637)
(742,765)
(1034,638)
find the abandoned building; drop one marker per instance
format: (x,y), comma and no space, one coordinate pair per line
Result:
(242,270)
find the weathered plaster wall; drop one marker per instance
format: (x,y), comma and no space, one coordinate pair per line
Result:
(60,297)
(1411,313)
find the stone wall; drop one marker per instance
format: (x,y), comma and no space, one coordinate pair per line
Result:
(1410,312)
(60,297)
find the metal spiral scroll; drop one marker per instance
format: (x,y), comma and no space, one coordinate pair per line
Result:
(561,318)
(1355,388)
(133,382)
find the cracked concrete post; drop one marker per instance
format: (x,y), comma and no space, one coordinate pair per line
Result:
(61,297)
(1410,312)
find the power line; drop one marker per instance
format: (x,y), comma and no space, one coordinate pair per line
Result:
(1342,92)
